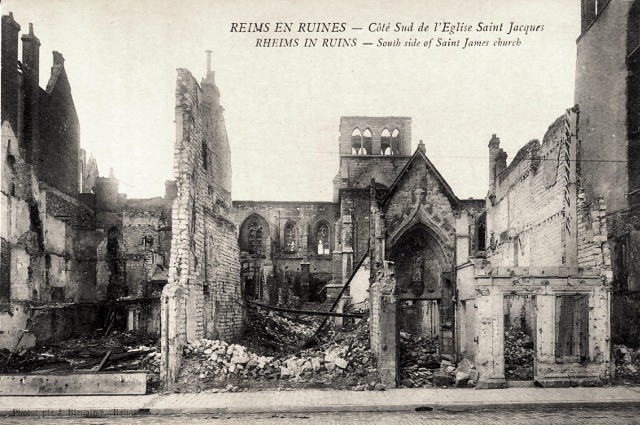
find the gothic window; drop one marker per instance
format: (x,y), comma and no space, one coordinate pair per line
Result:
(290,237)
(395,142)
(385,142)
(255,237)
(356,142)
(322,235)
(367,142)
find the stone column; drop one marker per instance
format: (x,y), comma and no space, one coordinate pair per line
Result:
(490,355)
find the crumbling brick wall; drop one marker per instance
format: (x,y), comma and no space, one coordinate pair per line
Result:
(525,217)
(205,261)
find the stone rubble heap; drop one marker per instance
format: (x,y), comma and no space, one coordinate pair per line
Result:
(627,361)
(345,361)
(422,366)
(518,355)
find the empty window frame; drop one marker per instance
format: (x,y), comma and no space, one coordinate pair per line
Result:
(289,237)
(323,238)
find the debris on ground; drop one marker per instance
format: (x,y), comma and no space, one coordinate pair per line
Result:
(421,365)
(117,351)
(518,355)
(342,359)
(419,359)
(627,361)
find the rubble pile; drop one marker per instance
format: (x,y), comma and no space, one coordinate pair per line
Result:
(345,361)
(273,334)
(418,359)
(422,366)
(627,361)
(518,355)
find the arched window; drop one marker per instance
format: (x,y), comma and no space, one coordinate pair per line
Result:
(367,142)
(385,142)
(356,142)
(322,236)
(290,237)
(395,142)
(255,236)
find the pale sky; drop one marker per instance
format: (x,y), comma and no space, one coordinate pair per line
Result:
(283,105)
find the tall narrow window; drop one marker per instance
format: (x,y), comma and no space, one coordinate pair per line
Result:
(255,237)
(385,142)
(367,142)
(395,142)
(356,142)
(205,156)
(324,243)
(290,237)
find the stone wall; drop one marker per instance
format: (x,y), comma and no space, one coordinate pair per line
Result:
(283,266)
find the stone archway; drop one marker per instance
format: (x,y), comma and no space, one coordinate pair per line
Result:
(425,285)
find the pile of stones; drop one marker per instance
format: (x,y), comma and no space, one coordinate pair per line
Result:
(627,362)
(518,354)
(345,359)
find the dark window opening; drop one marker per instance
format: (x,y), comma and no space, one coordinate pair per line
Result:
(205,156)
(480,234)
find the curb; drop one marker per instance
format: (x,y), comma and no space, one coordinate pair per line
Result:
(322,408)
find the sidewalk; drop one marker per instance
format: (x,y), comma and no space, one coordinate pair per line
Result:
(306,401)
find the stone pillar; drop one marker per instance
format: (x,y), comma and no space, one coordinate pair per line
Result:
(347,249)
(490,355)
(304,280)
(333,289)
(384,327)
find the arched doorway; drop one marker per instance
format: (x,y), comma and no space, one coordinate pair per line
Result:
(425,285)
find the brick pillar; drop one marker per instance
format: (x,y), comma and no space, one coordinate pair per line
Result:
(490,354)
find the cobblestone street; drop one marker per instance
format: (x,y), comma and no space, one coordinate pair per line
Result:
(537,416)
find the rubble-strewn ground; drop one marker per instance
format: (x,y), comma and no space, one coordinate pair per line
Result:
(421,365)
(269,355)
(518,355)
(129,351)
(627,362)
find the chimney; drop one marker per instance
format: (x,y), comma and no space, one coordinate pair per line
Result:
(31,53)
(10,79)
(31,67)
(501,162)
(422,147)
(494,148)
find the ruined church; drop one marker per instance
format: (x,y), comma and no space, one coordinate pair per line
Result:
(550,252)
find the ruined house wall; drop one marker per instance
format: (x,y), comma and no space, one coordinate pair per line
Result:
(525,221)
(49,256)
(601,95)
(203,231)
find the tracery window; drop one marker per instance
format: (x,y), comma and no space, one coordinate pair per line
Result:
(322,236)
(290,237)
